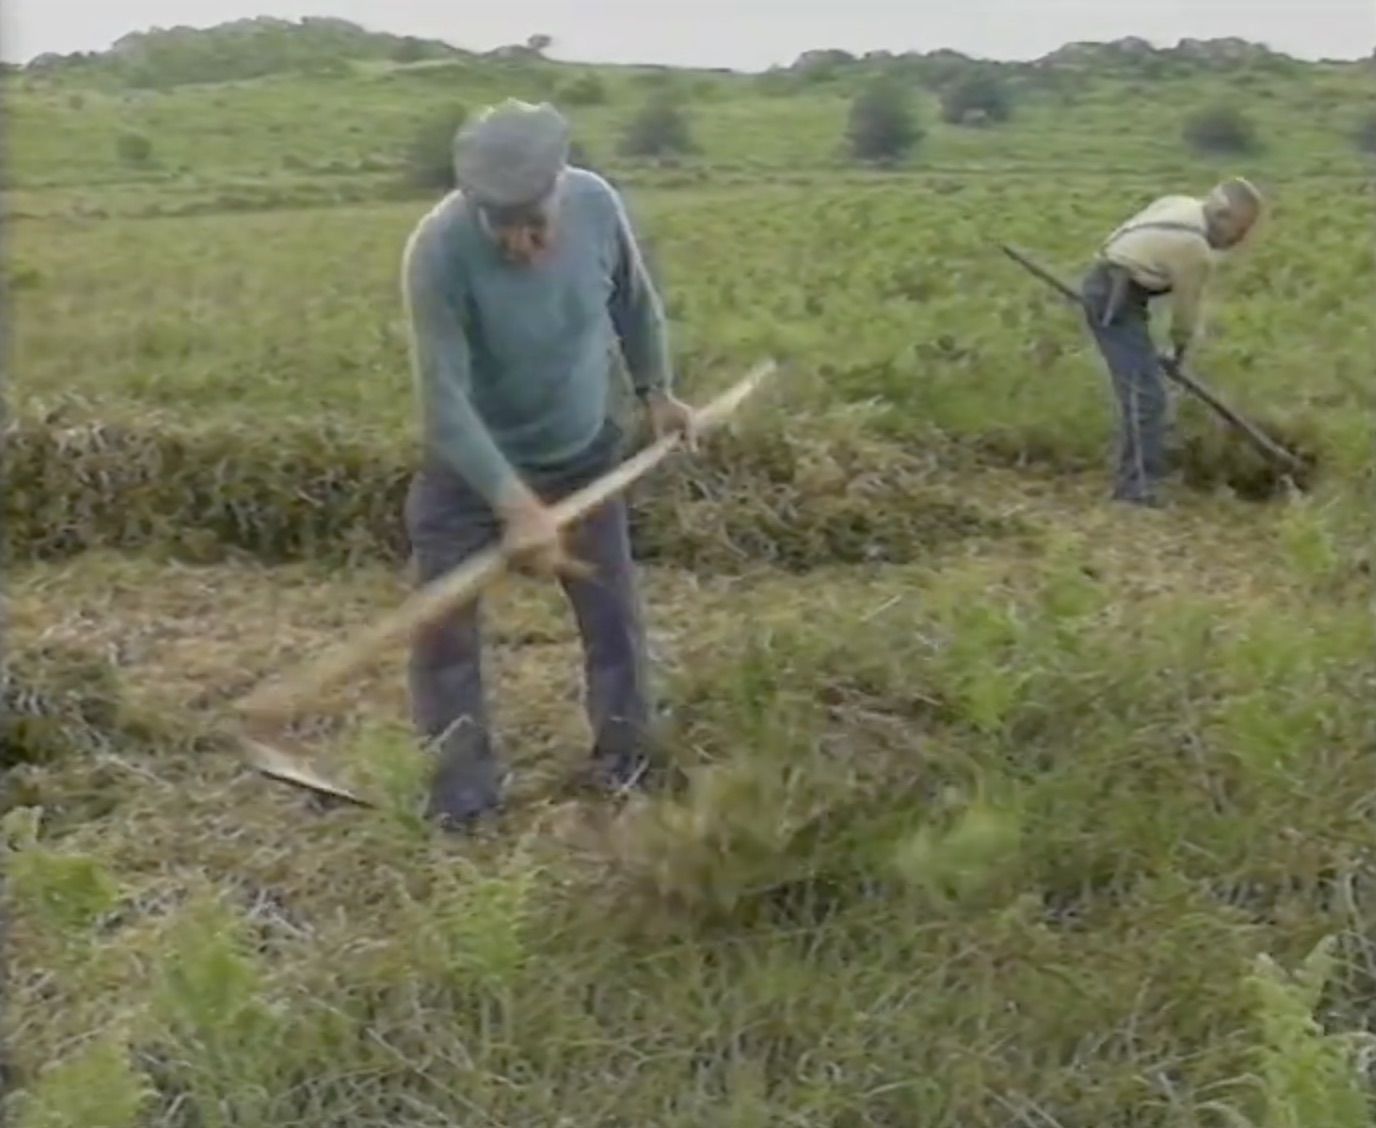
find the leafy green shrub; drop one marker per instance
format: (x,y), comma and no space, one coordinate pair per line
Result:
(659,129)
(1221,130)
(882,126)
(1308,1075)
(585,90)
(1364,136)
(977,98)
(580,156)
(133,148)
(657,78)
(429,159)
(325,68)
(410,50)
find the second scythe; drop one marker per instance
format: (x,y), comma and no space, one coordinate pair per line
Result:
(1247,429)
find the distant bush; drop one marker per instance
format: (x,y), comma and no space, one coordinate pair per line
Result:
(1364,136)
(160,59)
(656,78)
(882,126)
(977,98)
(133,148)
(581,156)
(329,67)
(429,158)
(819,67)
(660,128)
(585,90)
(411,49)
(776,82)
(1221,129)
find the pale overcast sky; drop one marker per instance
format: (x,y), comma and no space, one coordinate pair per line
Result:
(746,34)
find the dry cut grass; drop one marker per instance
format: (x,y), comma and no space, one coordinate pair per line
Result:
(970,842)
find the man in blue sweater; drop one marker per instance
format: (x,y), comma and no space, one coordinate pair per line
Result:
(518,285)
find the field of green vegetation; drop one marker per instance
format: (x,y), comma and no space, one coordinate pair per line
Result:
(1001,808)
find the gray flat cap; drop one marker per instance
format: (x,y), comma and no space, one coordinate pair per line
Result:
(511,154)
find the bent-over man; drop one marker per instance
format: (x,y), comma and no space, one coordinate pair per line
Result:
(1168,248)
(517,286)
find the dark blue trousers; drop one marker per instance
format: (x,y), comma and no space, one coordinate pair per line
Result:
(1138,384)
(447,523)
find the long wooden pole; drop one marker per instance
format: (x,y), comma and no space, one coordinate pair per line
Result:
(1249,430)
(278,703)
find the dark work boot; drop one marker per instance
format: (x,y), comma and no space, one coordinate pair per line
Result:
(459,810)
(628,760)
(621,772)
(466,786)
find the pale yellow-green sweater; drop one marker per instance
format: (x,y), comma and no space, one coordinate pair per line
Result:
(1165,247)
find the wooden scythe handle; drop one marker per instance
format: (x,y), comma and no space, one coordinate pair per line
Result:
(279,702)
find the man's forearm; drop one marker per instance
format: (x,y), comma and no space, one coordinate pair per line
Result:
(1187,301)
(454,433)
(457,437)
(1184,325)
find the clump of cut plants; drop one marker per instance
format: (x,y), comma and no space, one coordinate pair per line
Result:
(289,493)
(1215,456)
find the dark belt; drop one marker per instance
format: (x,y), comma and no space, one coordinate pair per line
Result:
(597,458)
(1123,290)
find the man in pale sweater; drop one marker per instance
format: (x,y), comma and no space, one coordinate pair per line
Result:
(518,286)
(1169,248)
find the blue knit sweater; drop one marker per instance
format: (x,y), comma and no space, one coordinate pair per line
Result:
(512,363)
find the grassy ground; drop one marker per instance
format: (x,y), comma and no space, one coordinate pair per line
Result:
(999,808)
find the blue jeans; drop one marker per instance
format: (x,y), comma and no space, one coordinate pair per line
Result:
(1127,348)
(447,523)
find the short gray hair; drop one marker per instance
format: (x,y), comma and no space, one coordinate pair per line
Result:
(1234,196)
(511,154)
